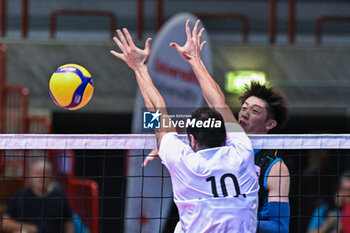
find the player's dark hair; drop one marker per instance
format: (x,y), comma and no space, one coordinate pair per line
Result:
(276,101)
(208,137)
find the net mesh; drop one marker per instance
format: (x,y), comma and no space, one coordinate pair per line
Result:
(109,191)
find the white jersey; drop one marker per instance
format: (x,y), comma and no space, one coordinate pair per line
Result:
(215,190)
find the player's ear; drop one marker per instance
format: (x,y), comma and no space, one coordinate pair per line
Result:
(192,141)
(271,123)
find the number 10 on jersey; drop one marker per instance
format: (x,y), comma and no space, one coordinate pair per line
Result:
(223,185)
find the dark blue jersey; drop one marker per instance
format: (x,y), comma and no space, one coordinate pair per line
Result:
(264,160)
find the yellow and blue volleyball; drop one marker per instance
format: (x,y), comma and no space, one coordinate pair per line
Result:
(71,86)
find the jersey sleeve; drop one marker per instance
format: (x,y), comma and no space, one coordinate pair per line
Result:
(237,138)
(236,134)
(232,127)
(171,148)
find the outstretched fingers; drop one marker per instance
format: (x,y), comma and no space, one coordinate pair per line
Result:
(122,38)
(200,34)
(119,44)
(147,49)
(118,55)
(134,57)
(151,156)
(175,45)
(195,29)
(147,160)
(148,44)
(188,30)
(121,47)
(128,38)
(179,49)
(202,45)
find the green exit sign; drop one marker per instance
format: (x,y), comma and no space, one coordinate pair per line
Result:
(235,81)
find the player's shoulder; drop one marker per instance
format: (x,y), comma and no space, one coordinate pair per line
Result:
(173,147)
(279,168)
(264,158)
(233,127)
(171,137)
(236,134)
(172,140)
(265,155)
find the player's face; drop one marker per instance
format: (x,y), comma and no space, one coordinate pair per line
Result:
(39,177)
(253,116)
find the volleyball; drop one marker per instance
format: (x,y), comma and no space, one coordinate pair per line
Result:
(71,86)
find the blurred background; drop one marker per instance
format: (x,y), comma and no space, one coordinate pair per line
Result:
(302,48)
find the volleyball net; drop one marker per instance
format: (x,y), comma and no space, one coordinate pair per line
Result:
(109,191)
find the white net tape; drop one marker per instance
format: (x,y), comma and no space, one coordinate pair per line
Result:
(141,197)
(148,141)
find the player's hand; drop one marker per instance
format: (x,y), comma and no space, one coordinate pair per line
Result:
(191,51)
(132,55)
(150,157)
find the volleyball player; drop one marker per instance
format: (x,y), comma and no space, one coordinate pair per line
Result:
(214,180)
(263,109)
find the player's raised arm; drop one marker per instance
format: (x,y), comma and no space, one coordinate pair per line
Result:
(137,59)
(191,52)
